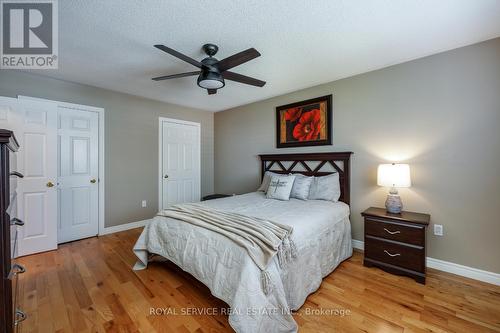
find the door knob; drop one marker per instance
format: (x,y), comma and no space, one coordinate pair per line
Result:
(166,176)
(50,184)
(93,181)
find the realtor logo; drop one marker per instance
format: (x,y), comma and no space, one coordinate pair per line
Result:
(29,34)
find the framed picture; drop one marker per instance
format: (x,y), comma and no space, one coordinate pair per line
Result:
(306,123)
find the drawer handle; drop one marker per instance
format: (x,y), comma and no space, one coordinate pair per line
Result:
(392,232)
(21,315)
(16,269)
(392,255)
(17,174)
(16,221)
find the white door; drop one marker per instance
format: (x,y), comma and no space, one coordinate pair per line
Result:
(36,131)
(78,188)
(179,162)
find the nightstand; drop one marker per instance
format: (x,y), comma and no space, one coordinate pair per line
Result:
(396,242)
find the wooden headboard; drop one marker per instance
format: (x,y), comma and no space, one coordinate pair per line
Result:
(298,163)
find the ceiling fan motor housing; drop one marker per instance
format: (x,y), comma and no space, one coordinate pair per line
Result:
(210,76)
(211,62)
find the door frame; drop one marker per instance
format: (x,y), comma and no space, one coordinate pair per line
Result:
(160,154)
(101,182)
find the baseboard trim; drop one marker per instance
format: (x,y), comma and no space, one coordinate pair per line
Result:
(450,267)
(360,245)
(470,272)
(122,227)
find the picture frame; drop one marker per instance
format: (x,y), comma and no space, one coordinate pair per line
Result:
(305,123)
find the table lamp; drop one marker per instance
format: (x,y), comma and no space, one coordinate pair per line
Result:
(393,175)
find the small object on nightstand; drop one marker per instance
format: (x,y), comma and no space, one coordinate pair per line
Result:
(396,242)
(215,196)
(393,176)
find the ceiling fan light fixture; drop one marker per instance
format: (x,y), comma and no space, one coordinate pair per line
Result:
(212,72)
(210,80)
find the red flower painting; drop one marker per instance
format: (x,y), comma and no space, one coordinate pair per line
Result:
(293,114)
(305,123)
(309,126)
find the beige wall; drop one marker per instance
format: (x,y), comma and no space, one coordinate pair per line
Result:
(441,114)
(131,140)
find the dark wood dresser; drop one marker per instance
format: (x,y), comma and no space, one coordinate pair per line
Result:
(10,313)
(396,242)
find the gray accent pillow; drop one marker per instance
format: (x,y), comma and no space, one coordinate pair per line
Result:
(301,187)
(265,181)
(325,188)
(280,187)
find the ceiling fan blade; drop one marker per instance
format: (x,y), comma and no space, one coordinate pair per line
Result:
(179,55)
(212,91)
(238,59)
(242,79)
(174,76)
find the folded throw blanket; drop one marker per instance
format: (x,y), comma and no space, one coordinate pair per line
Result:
(262,239)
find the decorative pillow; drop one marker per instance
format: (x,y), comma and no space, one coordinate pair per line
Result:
(265,181)
(301,187)
(325,188)
(280,187)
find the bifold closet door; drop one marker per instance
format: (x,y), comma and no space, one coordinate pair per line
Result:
(36,130)
(78,174)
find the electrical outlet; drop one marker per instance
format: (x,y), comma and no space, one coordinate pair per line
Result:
(438,229)
(144,203)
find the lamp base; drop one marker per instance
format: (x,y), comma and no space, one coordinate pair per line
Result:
(393,203)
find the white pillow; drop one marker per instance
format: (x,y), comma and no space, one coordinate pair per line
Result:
(280,187)
(325,188)
(301,187)
(265,181)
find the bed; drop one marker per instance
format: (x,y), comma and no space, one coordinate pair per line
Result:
(321,233)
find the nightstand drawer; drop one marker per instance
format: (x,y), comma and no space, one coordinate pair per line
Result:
(409,257)
(411,234)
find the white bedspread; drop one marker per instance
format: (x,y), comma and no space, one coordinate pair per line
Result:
(322,234)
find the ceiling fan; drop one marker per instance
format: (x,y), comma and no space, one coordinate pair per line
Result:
(213,72)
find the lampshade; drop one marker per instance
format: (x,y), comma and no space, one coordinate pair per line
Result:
(393,175)
(210,80)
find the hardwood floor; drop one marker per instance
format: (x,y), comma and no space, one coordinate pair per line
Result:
(88,286)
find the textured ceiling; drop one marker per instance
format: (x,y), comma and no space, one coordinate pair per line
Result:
(109,43)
